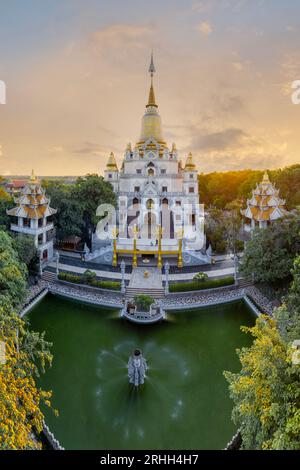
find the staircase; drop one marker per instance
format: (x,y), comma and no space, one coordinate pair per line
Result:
(141,285)
(244,283)
(48,276)
(157,293)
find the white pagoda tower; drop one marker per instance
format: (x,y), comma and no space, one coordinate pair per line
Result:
(265,205)
(158,201)
(31,217)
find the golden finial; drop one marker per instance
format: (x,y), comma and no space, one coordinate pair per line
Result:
(266,178)
(151,70)
(32,177)
(112,164)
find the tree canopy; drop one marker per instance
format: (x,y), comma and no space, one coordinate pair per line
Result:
(270,253)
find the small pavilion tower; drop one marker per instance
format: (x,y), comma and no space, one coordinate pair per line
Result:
(111,173)
(264,206)
(190,180)
(31,217)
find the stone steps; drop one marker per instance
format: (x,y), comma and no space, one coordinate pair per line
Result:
(156,293)
(48,276)
(245,283)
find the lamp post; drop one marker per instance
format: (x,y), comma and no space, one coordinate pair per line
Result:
(167,269)
(57,264)
(123,277)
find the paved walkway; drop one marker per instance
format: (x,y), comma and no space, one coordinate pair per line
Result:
(153,281)
(216,272)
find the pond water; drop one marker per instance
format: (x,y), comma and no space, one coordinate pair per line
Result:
(184,403)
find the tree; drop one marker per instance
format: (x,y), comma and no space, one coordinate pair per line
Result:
(270,253)
(12,272)
(6,202)
(26,249)
(26,353)
(288,314)
(266,391)
(69,217)
(91,191)
(20,398)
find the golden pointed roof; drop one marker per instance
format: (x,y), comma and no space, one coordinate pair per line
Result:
(151,98)
(112,164)
(266,178)
(32,178)
(189,164)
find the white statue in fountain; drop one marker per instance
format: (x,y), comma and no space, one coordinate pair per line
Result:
(137,367)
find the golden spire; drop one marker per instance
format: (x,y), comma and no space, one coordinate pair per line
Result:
(266,179)
(32,177)
(112,164)
(189,164)
(151,70)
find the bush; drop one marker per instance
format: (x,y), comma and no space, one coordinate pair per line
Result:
(113,285)
(91,281)
(196,285)
(143,302)
(200,277)
(88,276)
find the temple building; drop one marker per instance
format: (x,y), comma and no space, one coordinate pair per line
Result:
(264,207)
(32,217)
(158,201)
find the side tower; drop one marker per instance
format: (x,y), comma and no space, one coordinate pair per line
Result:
(32,217)
(264,206)
(111,173)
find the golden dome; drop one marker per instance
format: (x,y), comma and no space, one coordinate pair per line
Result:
(189,164)
(112,164)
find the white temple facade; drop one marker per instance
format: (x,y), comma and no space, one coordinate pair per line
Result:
(31,217)
(158,199)
(264,206)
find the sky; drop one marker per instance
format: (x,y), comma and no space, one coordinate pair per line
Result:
(76,74)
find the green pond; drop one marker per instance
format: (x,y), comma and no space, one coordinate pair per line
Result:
(184,403)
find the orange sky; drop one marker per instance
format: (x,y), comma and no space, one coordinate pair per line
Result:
(76,89)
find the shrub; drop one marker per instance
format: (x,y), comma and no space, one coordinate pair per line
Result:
(196,285)
(200,277)
(102,284)
(88,276)
(143,302)
(113,285)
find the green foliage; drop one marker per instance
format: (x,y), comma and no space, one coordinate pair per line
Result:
(222,228)
(196,285)
(12,272)
(69,217)
(266,391)
(27,353)
(270,253)
(288,314)
(91,191)
(6,202)
(200,277)
(88,276)
(90,280)
(220,188)
(25,247)
(143,302)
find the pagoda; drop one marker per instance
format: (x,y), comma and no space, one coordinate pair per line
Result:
(265,205)
(32,217)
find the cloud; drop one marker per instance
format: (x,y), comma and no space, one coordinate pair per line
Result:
(204,28)
(118,35)
(226,139)
(1,151)
(56,149)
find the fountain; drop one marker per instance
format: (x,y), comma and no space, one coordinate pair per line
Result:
(137,367)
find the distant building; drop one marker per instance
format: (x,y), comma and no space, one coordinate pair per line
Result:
(264,207)
(14,187)
(32,216)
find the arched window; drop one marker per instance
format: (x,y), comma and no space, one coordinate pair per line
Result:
(150,172)
(150,204)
